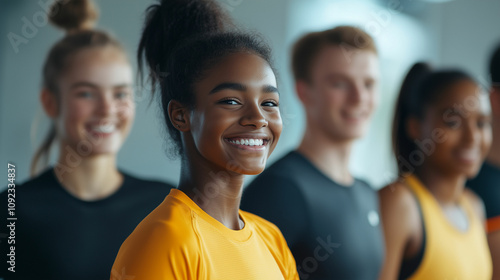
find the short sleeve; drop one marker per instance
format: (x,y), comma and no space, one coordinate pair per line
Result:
(157,252)
(289,261)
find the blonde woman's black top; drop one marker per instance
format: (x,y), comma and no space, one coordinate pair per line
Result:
(58,236)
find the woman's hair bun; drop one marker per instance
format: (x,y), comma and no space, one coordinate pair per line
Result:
(73,15)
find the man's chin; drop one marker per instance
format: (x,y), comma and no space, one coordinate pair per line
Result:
(348,135)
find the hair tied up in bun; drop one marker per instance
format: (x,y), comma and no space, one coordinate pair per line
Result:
(73,15)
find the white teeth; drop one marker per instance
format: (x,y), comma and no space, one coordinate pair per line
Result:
(104,128)
(470,154)
(248,142)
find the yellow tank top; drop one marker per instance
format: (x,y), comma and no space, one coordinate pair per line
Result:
(450,254)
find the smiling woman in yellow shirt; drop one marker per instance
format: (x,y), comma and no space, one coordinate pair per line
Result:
(179,240)
(220,102)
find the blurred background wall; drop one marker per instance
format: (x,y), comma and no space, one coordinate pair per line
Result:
(460,33)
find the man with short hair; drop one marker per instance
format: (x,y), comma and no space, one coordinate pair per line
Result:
(329,218)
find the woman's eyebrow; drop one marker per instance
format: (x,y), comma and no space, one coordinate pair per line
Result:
(92,85)
(231,86)
(270,89)
(125,85)
(84,84)
(241,87)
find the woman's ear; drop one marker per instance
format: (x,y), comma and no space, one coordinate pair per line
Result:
(178,115)
(49,103)
(413,128)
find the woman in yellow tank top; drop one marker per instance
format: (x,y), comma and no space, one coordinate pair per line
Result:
(433,225)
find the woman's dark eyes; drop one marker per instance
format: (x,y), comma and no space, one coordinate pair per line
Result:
(235,102)
(271,103)
(483,123)
(456,124)
(229,102)
(453,124)
(89,94)
(121,95)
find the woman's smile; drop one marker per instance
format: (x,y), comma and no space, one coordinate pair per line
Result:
(248,143)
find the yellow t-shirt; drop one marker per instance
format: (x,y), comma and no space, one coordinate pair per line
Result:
(178,240)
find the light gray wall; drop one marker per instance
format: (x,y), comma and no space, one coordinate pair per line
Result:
(457,33)
(143,152)
(473,30)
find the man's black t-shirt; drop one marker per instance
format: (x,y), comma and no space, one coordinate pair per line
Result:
(487,186)
(58,236)
(333,231)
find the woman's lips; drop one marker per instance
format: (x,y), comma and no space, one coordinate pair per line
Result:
(468,156)
(102,130)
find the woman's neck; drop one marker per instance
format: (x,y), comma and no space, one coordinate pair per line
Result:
(215,190)
(447,189)
(88,177)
